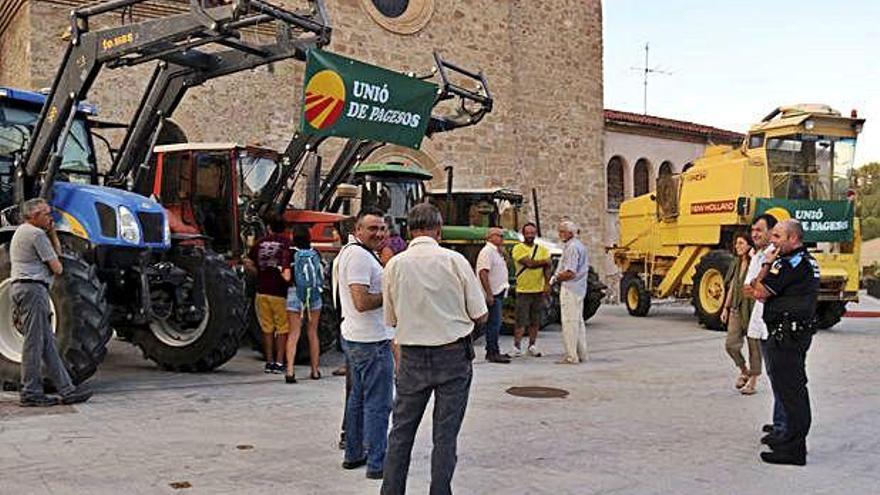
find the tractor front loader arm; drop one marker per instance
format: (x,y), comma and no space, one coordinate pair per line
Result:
(170,82)
(173,38)
(473,105)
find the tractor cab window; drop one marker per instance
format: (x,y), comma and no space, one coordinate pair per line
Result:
(256,171)
(810,167)
(16,125)
(211,198)
(394,197)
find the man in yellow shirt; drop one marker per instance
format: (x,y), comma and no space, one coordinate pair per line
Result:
(532,268)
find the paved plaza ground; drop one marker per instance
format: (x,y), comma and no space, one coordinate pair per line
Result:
(654,411)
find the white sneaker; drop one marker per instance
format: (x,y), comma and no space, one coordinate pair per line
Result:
(516,352)
(533,351)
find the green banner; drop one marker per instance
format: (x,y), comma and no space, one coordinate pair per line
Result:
(347,98)
(823,221)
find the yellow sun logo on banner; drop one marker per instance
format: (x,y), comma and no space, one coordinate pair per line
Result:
(325,99)
(779,213)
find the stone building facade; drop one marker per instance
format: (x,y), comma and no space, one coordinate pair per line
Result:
(543,62)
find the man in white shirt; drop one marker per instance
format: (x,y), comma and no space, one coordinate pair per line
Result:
(367,345)
(433,300)
(761,227)
(492,270)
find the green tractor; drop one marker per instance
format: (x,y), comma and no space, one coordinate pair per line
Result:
(397,187)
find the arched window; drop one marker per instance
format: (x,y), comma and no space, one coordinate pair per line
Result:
(666,168)
(614,183)
(641,177)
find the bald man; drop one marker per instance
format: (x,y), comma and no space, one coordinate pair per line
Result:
(572,273)
(789,286)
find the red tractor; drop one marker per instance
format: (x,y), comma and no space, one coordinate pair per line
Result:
(212,193)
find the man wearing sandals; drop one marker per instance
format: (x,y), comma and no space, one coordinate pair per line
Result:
(367,343)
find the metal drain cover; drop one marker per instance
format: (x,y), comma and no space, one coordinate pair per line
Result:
(538,392)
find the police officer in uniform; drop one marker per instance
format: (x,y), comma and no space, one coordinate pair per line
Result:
(789,285)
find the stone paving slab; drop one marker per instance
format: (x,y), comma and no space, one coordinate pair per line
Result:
(653,412)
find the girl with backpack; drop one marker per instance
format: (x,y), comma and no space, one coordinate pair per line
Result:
(304,301)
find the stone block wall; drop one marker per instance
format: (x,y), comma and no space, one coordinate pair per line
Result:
(543,61)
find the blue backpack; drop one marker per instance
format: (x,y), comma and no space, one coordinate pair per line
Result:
(308,274)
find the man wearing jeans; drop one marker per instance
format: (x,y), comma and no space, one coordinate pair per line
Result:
(433,299)
(761,227)
(367,345)
(492,270)
(572,272)
(33,253)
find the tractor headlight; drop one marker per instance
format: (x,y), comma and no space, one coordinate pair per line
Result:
(809,125)
(128,226)
(166,232)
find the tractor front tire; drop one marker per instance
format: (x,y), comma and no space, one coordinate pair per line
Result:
(635,295)
(222,331)
(82,327)
(829,313)
(708,289)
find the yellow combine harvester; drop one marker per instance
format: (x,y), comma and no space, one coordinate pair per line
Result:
(796,163)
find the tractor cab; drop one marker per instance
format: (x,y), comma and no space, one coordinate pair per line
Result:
(206,187)
(392,187)
(809,151)
(480,207)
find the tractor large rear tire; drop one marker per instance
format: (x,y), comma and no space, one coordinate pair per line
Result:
(220,333)
(829,313)
(81,322)
(595,294)
(708,291)
(635,295)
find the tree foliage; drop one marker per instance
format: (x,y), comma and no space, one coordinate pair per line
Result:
(868,182)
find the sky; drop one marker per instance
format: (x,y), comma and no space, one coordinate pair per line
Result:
(730,63)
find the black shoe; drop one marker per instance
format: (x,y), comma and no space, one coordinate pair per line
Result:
(497,358)
(290,378)
(354,464)
(38,401)
(771,440)
(375,475)
(269,368)
(80,394)
(768,428)
(784,457)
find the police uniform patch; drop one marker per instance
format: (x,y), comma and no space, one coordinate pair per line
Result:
(774,268)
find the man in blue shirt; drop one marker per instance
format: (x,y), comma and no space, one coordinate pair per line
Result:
(572,273)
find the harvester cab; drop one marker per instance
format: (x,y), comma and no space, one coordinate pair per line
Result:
(796,163)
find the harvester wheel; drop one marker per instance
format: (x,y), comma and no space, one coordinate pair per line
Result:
(708,290)
(829,313)
(81,321)
(211,343)
(635,295)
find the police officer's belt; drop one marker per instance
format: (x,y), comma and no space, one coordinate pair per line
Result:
(791,327)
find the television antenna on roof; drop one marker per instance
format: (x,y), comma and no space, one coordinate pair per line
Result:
(646,71)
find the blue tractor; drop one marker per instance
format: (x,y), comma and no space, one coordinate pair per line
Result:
(124,270)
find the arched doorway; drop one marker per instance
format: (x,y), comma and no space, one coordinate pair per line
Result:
(666,169)
(641,177)
(614,191)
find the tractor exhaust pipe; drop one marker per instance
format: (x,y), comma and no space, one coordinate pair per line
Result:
(537,211)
